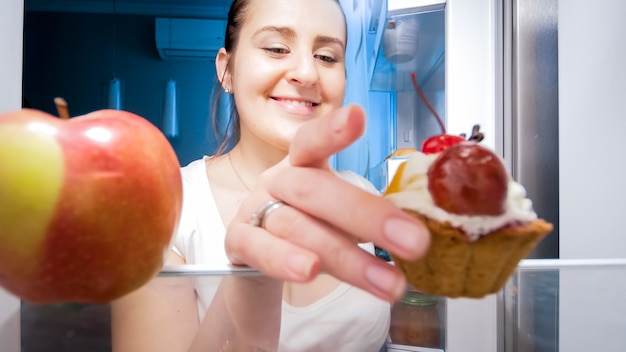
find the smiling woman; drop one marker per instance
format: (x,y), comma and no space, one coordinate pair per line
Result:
(283,67)
(274,56)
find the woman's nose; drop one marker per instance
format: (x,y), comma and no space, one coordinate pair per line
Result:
(303,70)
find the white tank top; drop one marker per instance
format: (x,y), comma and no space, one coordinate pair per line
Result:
(347,319)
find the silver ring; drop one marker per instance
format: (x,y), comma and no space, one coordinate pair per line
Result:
(258,218)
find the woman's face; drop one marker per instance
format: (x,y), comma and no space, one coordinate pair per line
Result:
(289,67)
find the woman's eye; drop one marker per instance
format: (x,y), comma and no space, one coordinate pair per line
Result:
(326,58)
(277,50)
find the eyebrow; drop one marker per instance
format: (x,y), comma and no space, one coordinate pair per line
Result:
(290,33)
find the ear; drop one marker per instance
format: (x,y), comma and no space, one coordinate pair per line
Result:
(221,67)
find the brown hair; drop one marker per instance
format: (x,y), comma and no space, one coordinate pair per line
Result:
(237,15)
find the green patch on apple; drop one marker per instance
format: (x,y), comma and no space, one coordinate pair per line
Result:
(29,193)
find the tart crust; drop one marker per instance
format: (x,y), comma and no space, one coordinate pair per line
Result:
(456,267)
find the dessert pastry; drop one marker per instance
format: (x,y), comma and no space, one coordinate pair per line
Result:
(401,152)
(469,255)
(481,222)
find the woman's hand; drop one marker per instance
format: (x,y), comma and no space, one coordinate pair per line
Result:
(316,229)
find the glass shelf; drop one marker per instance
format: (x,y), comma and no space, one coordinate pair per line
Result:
(547,305)
(566,305)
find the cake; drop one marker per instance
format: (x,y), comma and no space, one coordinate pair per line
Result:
(480,220)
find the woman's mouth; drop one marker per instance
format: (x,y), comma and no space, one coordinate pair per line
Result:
(296,106)
(296,103)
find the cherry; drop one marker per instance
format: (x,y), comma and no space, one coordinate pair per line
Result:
(468,179)
(465,178)
(437,143)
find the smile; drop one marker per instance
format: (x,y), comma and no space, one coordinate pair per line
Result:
(297,103)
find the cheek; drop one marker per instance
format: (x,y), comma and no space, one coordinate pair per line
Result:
(255,72)
(335,88)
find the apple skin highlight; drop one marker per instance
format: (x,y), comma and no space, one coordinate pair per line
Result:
(112,200)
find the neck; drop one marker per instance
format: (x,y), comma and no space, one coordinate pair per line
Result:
(254,160)
(249,163)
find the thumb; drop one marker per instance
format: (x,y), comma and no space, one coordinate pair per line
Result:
(317,140)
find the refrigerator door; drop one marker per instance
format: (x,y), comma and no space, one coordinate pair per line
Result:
(531,112)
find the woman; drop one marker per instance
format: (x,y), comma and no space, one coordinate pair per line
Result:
(284,65)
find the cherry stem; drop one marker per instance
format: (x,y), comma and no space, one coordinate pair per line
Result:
(430,107)
(62,109)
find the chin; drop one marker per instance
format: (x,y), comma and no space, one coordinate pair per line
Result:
(283,140)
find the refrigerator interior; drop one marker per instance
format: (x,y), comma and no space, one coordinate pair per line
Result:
(548,305)
(409,40)
(415,121)
(565,305)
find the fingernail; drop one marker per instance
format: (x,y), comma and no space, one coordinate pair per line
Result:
(386,280)
(405,234)
(300,265)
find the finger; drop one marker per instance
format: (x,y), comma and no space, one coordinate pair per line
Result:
(339,256)
(319,139)
(359,213)
(273,256)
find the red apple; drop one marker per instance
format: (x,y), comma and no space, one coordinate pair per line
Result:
(88,205)
(468,179)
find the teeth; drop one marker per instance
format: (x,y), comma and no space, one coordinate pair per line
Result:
(298,103)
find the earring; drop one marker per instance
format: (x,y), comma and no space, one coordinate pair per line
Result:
(226,90)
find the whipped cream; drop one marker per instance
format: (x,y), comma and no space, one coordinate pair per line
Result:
(415,196)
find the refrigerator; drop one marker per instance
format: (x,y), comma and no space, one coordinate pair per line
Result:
(491,63)
(497,66)
(534,75)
